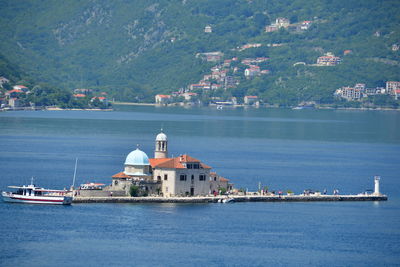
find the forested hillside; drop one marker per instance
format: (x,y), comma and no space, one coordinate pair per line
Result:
(135,49)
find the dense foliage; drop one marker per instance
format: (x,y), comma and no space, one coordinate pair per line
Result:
(134,49)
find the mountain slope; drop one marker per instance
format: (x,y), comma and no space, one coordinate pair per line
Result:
(134,49)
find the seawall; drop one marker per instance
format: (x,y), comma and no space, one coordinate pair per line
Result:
(247,198)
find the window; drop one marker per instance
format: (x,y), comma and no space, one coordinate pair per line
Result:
(196,166)
(165,177)
(192,177)
(189,166)
(182,177)
(159,178)
(202,177)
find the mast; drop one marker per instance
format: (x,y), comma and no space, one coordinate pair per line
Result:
(73,180)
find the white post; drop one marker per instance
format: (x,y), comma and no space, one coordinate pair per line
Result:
(376,191)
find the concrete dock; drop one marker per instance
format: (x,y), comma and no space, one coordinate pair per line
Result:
(236,198)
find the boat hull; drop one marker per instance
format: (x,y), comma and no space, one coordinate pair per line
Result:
(51,200)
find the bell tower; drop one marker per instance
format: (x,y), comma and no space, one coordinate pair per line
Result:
(161,150)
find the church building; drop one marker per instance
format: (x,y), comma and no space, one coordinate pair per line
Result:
(162,175)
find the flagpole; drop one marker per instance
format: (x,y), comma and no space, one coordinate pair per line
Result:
(73,181)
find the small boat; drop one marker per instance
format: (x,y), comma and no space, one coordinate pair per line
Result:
(36,195)
(228,200)
(91,186)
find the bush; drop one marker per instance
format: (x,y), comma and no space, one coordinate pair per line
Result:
(134,191)
(222,190)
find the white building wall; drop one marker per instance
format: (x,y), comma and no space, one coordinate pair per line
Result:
(173,186)
(200,187)
(167,182)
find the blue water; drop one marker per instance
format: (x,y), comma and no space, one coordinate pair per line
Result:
(281,149)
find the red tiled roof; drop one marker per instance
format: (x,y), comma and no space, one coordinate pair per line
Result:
(164,96)
(156,162)
(176,163)
(222,179)
(79,95)
(14,91)
(99,97)
(120,175)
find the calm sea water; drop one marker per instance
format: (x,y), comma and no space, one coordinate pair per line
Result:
(282,149)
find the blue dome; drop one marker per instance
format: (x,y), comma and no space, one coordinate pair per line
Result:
(137,157)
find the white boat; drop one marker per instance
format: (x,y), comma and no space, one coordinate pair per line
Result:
(36,195)
(228,200)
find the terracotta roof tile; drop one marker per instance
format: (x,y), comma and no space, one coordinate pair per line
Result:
(120,175)
(176,163)
(156,162)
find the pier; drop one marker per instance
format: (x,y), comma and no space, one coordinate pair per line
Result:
(235,198)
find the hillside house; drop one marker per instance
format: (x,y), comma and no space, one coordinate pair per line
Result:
(102,99)
(250,99)
(189,95)
(247,46)
(271,28)
(350,93)
(14,102)
(328,59)
(211,56)
(83,91)
(347,52)
(305,25)
(163,99)
(252,71)
(21,88)
(197,86)
(78,96)
(14,93)
(391,87)
(208,29)
(397,94)
(282,22)
(279,23)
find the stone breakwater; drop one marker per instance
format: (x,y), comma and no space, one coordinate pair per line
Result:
(217,199)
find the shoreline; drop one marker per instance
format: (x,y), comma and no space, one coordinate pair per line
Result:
(189,106)
(250,106)
(219,199)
